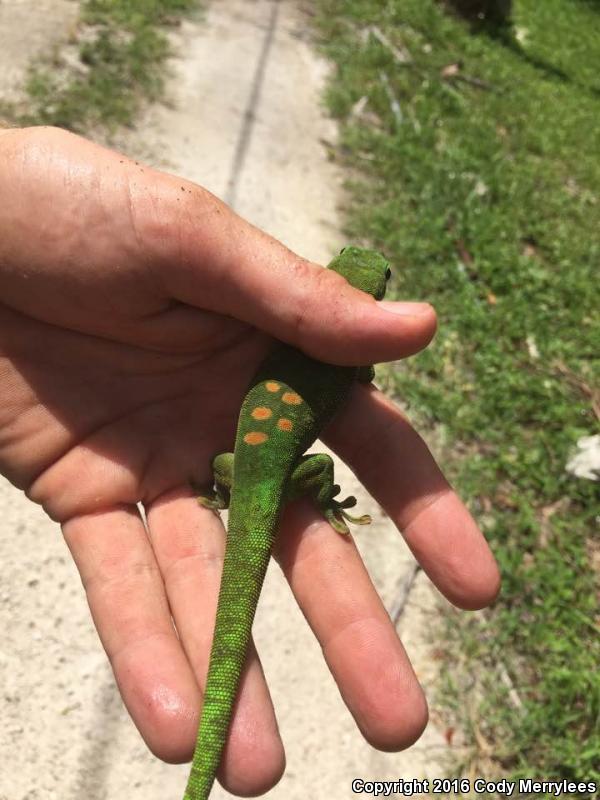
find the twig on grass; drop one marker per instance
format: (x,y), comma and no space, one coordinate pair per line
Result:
(402,56)
(394,104)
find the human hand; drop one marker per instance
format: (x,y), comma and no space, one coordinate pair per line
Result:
(135,308)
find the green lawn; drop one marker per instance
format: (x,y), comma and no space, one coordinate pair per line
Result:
(476,169)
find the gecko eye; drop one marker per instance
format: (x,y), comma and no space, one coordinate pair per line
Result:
(388,274)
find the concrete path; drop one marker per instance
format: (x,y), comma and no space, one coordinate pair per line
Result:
(28,31)
(244,119)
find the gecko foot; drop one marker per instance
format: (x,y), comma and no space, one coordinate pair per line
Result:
(214,501)
(335,515)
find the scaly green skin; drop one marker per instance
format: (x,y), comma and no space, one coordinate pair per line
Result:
(289,402)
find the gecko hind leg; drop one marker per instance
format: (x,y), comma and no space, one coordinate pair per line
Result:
(313,476)
(218,498)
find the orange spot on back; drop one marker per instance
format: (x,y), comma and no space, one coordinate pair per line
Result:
(255,437)
(261,412)
(272,386)
(285,424)
(291,398)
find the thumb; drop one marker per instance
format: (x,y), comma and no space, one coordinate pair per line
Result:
(225,264)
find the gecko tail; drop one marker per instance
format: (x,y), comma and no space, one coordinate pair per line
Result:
(244,567)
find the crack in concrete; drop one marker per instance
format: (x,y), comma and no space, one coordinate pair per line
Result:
(249,117)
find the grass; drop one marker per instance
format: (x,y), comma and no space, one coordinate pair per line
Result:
(476,169)
(120,50)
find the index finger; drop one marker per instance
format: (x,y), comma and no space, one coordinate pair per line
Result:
(395,465)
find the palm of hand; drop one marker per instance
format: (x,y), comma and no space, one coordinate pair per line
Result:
(93,423)
(117,392)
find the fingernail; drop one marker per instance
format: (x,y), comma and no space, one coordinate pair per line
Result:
(405,309)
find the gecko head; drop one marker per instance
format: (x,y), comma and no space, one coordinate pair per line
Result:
(366,270)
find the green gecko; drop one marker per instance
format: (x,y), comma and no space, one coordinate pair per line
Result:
(290,400)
